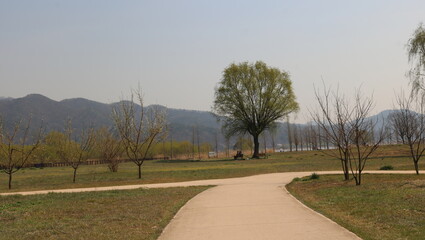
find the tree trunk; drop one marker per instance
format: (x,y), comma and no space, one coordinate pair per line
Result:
(346,172)
(256,147)
(75,174)
(416,167)
(10,181)
(359,178)
(345,166)
(140,170)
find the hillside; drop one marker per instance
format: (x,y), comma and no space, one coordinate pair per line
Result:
(86,113)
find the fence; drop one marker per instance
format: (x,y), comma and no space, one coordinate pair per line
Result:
(88,162)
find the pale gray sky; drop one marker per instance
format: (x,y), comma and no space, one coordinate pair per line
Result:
(177,50)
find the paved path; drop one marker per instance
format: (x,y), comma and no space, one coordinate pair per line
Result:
(255,207)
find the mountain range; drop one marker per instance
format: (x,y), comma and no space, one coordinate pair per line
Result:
(86,113)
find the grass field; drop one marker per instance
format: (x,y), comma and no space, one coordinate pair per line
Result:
(184,170)
(383,207)
(130,214)
(142,214)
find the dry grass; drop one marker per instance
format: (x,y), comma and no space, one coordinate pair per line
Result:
(186,170)
(384,207)
(132,214)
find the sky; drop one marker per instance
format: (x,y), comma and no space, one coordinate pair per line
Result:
(177,50)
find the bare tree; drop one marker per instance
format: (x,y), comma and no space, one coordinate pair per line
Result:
(193,142)
(411,121)
(139,130)
(348,130)
(313,136)
(216,144)
(227,139)
(319,139)
(170,129)
(296,136)
(17,147)
(110,148)
(75,149)
(396,122)
(198,142)
(364,142)
(334,118)
(273,132)
(290,137)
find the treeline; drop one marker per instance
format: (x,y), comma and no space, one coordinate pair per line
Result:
(138,134)
(48,149)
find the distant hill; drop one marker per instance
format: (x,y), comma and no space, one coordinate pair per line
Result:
(86,113)
(5,98)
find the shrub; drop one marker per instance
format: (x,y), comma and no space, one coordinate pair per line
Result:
(387,167)
(314,176)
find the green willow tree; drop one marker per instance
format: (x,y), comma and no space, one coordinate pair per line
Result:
(251,97)
(416,54)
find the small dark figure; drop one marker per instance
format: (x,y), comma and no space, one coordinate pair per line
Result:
(239,154)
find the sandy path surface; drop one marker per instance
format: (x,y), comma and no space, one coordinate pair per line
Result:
(257,207)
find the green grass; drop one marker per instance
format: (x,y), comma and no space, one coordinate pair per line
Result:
(383,207)
(129,214)
(183,170)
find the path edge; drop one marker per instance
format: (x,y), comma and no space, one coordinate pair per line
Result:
(318,213)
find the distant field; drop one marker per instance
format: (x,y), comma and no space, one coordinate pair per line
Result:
(383,207)
(185,170)
(129,214)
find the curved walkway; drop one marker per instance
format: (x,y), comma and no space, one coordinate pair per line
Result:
(254,207)
(257,207)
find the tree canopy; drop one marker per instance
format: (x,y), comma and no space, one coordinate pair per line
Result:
(416,53)
(251,97)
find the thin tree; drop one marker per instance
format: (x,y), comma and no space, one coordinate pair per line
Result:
(17,147)
(110,148)
(333,117)
(301,139)
(227,139)
(216,144)
(273,133)
(139,127)
(348,129)
(319,139)
(296,136)
(396,122)
(364,142)
(251,97)
(193,142)
(411,121)
(290,137)
(171,142)
(198,142)
(75,149)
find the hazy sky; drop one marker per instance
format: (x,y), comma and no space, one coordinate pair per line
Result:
(177,50)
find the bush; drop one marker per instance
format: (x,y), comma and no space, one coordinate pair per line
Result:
(314,176)
(387,167)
